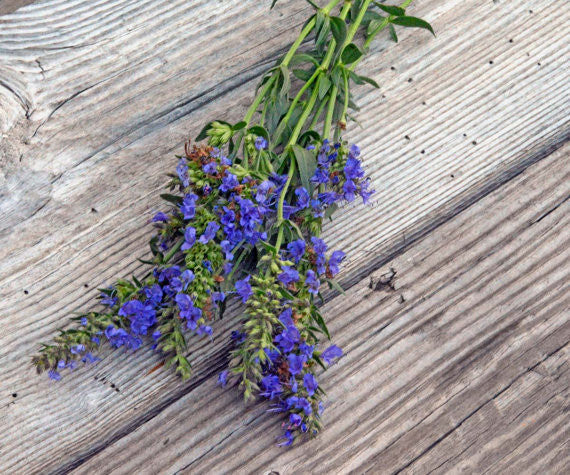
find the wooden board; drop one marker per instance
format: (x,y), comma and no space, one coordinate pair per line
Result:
(96,98)
(460,363)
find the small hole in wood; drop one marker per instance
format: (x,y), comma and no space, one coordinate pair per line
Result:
(491,62)
(511,41)
(93,210)
(474,142)
(407,137)
(423,151)
(410,79)
(464,135)
(392,68)
(86,285)
(539,64)
(452,175)
(15,395)
(26,292)
(424,103)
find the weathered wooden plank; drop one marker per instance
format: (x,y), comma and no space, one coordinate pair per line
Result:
(462,364)
(109,95)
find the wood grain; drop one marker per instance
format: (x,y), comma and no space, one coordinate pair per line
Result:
(95,99)
(461,364)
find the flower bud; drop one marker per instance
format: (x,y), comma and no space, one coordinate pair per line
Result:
(219,133)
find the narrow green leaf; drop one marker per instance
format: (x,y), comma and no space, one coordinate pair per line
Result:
(333,284)
(239,125)
(324,85)
(268,246)
(273,4)
(307,163)
(393,35)
(391,9)
(286,85)
(370,81)
(303,58)
(375,25)
(203,133)
(413,22)
(322,33)
(319,362)
(350,54)
(338,28)
(302,74)
(319,320)
(295,227)
(172,198)
(336,76)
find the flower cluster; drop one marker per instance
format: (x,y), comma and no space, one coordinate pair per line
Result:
(220,214)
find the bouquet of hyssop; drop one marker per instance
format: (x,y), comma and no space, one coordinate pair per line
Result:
(243,220)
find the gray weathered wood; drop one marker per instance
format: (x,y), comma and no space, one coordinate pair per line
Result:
(96,97)
(460,363)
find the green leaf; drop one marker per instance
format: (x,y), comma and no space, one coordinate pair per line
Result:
(308,136)
(330,210)
(239,125)
(333,284)
(172,198)
(295,227)
(375,25)
(203,133)
(307,163)
(364,79)
(286,85)
(323,29)
(259,131)
(273,4)
(412,22)
(355,9)
(319,320)
(268,246)
(338,27)
(324,85)
(336,76)
(393,35)
(303,58)
(391,9)
(302,74)
(350,54)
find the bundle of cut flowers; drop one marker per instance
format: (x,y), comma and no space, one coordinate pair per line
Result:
(243,221)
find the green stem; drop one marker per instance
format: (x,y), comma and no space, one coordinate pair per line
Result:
(294,136)
(380,27)
(287,59)
(264,90)
(346,98)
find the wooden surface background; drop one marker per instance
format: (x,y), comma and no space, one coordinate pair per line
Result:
(456,320)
